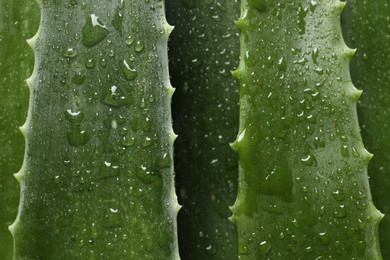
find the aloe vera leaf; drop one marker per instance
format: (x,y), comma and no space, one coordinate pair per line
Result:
(97,179)
(366,28)
(18,21)
(303,189)
(203,49)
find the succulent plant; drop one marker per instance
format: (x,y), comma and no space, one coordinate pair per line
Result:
(204,49)
(18,21)
(303,188)
(366,28)
(97,180)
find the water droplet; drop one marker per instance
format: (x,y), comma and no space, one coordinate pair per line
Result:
(301,116)
(145,175)
(70,53)
(301,61)
(308,250)
(77,137)
(103,62)
(338,195)
(319,71)
(264,247)
(324,238)
(128,142)
(313,5)
(314,55)
(90,63)
(66,161)
(282,64)
(128,72)
(78,78)
(117,97)
(139,46)
(93,31)
(318,142)
(147,142)
(340,212)
(107,164)
(361,195)
(129,41)
(311,118)
(113,218)
(74,116)
(57,179)
(322,210)
(361,204)
(309,160)
(344,150)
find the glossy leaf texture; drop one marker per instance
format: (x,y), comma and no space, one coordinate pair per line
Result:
(204,49)
(366,29)
(303,188)
(19,20)
(97,179)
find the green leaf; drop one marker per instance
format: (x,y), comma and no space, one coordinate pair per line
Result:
(204,49)
(303,186)
(97,181)
(18,21)
(366,28)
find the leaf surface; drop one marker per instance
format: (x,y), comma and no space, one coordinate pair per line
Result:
(97,180)
(303,186)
